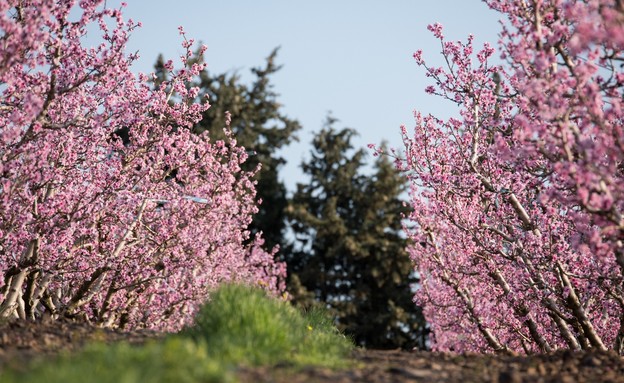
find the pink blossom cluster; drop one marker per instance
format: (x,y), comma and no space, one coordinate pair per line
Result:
(126,234)
(517,225)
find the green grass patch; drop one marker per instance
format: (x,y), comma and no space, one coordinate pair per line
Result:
(244,325)
(170,360)
(240,326)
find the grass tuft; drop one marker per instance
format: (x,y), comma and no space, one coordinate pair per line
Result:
(244,325)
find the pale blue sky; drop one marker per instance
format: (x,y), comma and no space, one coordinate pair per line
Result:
(353,57)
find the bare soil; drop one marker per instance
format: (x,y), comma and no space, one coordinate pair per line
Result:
(421,366)
(22,341)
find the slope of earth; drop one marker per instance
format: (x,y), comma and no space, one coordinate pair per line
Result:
(21,341)
(401,366)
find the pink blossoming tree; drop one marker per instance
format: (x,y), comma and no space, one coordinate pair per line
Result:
(518,203)
(128,235)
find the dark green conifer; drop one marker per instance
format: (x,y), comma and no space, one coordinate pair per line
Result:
(349,250)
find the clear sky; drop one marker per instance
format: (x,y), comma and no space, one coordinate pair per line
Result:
(351,57)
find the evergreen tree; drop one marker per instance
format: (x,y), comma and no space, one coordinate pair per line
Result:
(260,126)
(349,250)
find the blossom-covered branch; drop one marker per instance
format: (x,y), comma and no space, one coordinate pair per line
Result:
(518,203)
(131,232)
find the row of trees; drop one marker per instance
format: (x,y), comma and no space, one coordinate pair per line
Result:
(124,200)
(518,203)
(111,209)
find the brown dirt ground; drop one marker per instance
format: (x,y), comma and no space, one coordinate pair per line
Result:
(21,341)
